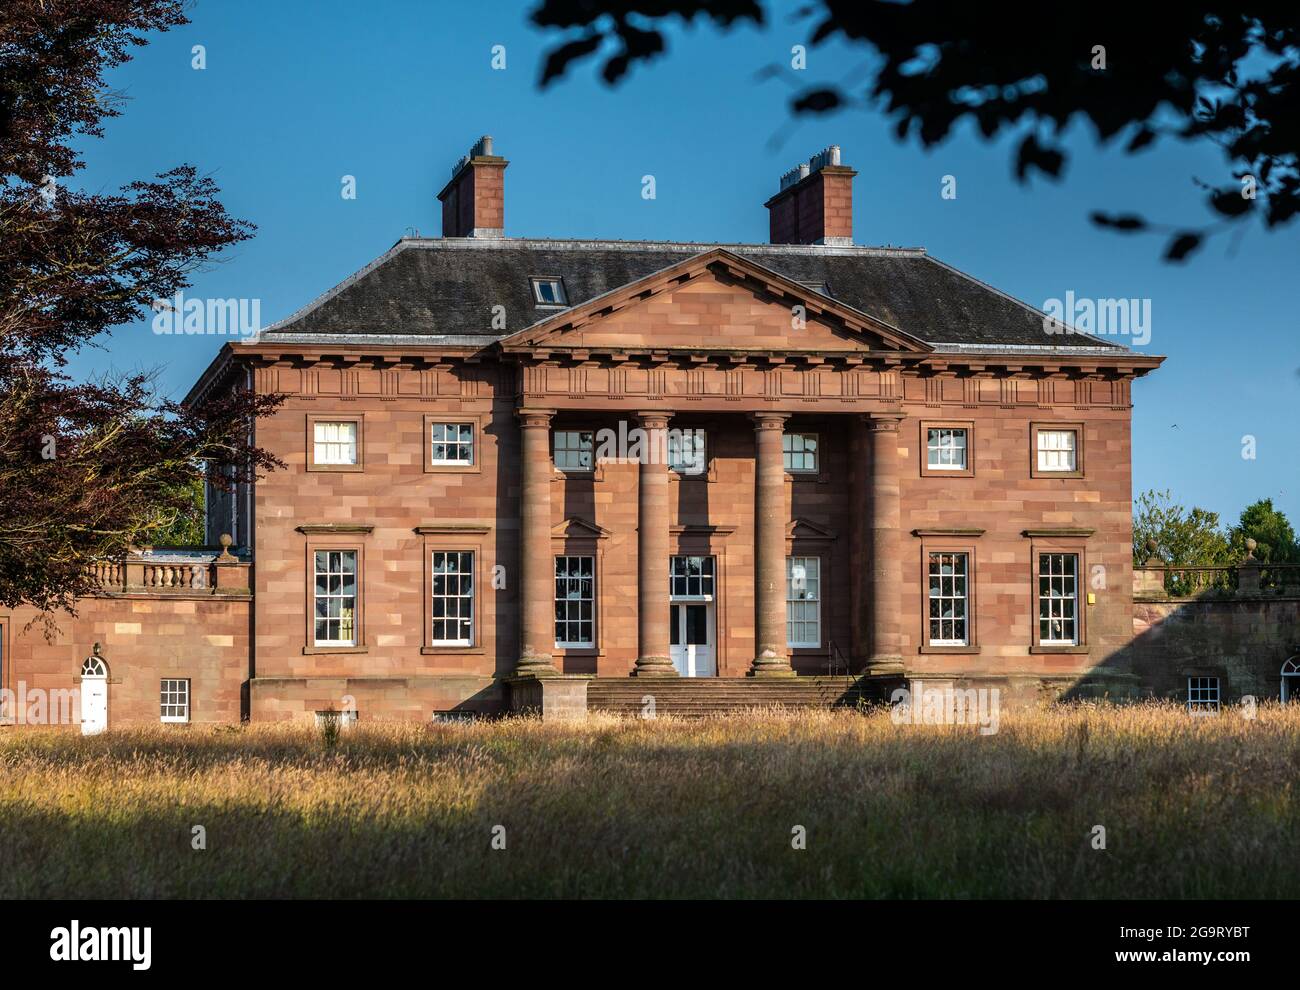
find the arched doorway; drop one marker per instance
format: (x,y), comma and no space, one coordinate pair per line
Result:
(1291,680)
(94,694)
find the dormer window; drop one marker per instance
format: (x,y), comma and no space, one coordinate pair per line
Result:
(549,291)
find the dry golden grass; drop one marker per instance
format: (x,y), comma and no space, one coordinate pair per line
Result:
(1193,807)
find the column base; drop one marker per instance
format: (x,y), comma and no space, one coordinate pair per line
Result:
(535,666)
(884,664)
(771,666)
(654,667)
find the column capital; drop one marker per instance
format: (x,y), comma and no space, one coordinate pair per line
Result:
(653,419)
(766,420)
(530,416)
(884,422)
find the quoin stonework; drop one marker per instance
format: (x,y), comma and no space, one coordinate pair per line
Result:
(865,468)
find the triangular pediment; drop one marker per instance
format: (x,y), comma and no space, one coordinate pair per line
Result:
(714,302)
(802,529)
(575,527)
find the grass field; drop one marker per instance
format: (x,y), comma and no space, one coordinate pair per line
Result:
(1192,807)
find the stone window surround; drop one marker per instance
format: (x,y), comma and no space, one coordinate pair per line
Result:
(1217,688)
(453,538)
(1197,668)
(349,417)
(1079,449)
(947,424)
(475,420)
(820,547)
(583,545)
(951,541)
(333,536)
(1060,541)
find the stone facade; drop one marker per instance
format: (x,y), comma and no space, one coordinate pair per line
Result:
(654,339)
(144,634)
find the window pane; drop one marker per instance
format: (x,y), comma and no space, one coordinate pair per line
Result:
(947,595)
(336,597)
(803,601)
(799,451)
(1057,598)
(453,443)
(574,601)
(334,443)
(452,605)
(174,697)
(686,451)
(1056,450)
(572,449)
(946,448)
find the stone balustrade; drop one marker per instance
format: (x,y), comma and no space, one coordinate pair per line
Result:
(174,572)
(1250,578)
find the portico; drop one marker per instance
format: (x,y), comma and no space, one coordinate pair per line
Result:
(683,570)
(758,349)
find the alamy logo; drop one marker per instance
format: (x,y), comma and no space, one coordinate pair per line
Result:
(681,449)
(77,944)
(37,706)
(922,704)
(1102,317)
(192,317)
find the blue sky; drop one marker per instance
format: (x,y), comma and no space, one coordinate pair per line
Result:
(295,96)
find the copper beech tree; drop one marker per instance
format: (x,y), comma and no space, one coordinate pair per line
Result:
(89,468)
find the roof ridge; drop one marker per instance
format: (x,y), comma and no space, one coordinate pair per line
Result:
(583,243)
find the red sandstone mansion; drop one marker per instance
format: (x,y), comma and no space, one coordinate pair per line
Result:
(556,473)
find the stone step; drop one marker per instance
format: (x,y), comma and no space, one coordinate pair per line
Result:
(705,696)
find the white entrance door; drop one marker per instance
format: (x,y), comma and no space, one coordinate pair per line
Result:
(692,639)
(94,696)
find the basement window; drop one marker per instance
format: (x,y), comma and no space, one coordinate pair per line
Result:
(1203,695)
(549,291)
(175,694)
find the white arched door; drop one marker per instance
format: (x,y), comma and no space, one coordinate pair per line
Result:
(94,696)
(1291,681)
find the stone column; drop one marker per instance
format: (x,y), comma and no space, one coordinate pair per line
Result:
(884,517)
(536,562)
(771,517)
(652,615)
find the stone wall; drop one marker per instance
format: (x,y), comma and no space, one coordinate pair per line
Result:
(1242,641)
(201,637)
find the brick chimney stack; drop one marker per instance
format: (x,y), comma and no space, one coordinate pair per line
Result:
(815,204)
(473,202)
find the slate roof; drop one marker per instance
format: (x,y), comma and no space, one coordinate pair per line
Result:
(442,291)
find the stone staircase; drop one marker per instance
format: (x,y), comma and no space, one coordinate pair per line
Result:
(699,697)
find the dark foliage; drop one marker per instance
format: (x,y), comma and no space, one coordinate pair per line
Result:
(88,469)
(1227,73)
